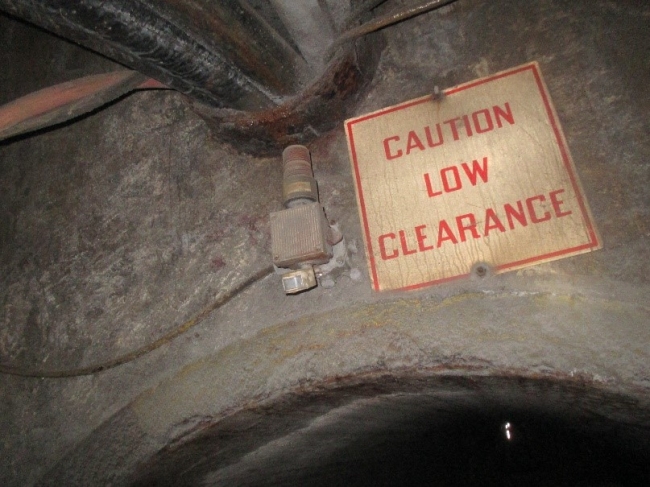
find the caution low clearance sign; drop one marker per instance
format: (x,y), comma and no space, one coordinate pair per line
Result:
(481,174)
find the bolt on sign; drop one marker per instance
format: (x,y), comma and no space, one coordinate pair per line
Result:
(481,174)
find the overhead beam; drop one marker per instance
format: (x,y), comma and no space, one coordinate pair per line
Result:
(221,53)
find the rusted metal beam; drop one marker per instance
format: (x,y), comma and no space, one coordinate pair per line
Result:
(220,53)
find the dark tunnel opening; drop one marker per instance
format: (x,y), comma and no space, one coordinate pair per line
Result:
(465,432)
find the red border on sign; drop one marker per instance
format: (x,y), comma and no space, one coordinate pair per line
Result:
(533,67)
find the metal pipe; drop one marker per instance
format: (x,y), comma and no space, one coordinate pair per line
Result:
(363,9)
(384,21)
(61,103)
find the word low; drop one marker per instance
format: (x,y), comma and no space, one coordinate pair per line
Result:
(451,177)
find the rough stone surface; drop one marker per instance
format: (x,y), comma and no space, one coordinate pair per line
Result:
(120,226)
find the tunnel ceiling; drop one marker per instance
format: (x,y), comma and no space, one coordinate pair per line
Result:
(147,222)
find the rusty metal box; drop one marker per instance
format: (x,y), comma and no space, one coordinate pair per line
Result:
(299,236)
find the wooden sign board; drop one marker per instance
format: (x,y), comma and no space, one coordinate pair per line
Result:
(481,174)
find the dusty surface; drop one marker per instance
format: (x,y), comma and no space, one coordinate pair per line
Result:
(123,225)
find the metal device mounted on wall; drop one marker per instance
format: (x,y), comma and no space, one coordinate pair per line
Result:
(305,246)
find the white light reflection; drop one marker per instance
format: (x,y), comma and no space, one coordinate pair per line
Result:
(507,428)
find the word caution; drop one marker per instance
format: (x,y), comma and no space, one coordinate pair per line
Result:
(452,130)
